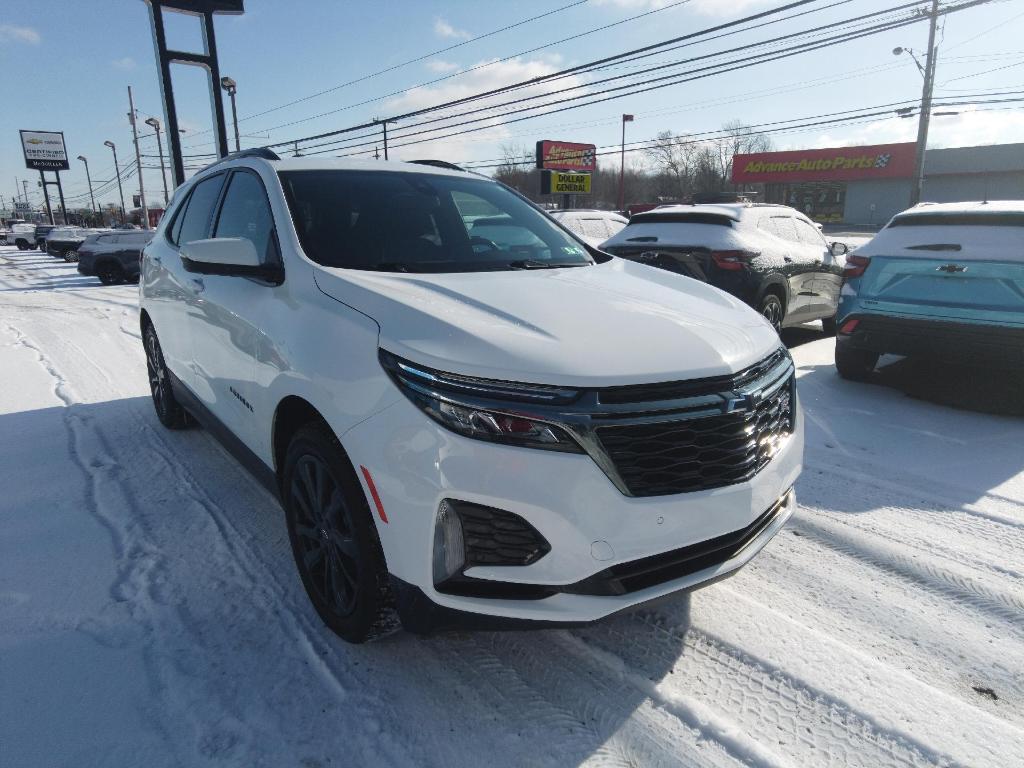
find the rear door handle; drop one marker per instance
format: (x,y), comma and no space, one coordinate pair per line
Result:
(788,259)
(198,286)
(156,259)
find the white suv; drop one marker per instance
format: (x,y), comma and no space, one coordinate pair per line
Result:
(460,430)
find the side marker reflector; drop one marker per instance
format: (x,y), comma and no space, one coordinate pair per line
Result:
(373,493)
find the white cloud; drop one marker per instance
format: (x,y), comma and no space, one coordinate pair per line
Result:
(437,65)
(972,127)
(443,29)
(10,32)
(483,143)
(126,63)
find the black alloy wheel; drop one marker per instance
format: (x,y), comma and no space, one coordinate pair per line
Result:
(168,409)
(70,255)
(334,541)
(109,273)
(772,310)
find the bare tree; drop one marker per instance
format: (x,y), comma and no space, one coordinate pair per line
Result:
(738,139)
(674,156)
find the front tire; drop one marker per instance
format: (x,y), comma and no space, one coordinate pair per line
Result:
(334,540)
(772,309)
(170,412)
(855,364)
(70,255)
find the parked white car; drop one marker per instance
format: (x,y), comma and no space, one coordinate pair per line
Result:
(460,430)
(593,227)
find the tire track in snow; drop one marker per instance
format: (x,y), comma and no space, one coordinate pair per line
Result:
(815,724)
(923,571)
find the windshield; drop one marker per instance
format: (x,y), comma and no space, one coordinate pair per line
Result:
(415,222)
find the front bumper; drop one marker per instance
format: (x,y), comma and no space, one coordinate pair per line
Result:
(595,531)
(984,344)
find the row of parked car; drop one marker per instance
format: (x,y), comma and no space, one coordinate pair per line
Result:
(112,255)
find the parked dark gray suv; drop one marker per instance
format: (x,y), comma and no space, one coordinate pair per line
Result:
(113,257)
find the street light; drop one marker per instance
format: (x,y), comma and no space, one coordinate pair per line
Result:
(231,87)
(117,170)
(153,123)
(89,178)
(622,164)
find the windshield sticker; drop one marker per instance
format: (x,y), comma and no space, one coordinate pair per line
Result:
(572,250)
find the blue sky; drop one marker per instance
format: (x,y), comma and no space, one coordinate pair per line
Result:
(68,65)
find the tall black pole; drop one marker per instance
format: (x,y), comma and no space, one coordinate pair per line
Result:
(926,107)
(163,172)
(60,194)
(167,92)
(46,197)
(385,139)
(213,68)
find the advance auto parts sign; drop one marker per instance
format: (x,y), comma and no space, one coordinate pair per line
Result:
(566,156)
(556,183)
(880,161)
(44,150)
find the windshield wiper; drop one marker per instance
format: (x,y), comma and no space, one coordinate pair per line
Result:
(535,264)
(392,266)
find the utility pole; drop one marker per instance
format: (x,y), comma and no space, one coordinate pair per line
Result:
(138,159)
(926,106)
(622,164)
(24,189)
(46,198)
(384,124)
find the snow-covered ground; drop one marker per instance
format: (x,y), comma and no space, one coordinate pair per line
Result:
(150,613)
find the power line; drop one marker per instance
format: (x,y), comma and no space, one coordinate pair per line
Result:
(413,61)
(630,89)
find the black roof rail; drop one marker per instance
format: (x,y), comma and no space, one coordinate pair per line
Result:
(438,164)
(262,152)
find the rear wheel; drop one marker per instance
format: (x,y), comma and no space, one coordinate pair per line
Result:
(772,309)
(110,273)
(70,255)
(334,540)
(22,244)
(168,409)
(855,364)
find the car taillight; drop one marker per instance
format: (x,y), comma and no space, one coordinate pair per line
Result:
(732,261)
(850,325)
(855,265)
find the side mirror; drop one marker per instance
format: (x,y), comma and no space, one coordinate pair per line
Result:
(228,256)
(839,249)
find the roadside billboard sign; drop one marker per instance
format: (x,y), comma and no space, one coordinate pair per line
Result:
(566,156)
(878,161)
(559,183)
(44,150)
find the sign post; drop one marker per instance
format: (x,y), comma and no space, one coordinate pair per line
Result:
(578,160)
(45,151)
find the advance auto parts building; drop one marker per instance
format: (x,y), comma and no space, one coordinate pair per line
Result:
(869,185)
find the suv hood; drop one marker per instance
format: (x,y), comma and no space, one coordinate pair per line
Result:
(608,324)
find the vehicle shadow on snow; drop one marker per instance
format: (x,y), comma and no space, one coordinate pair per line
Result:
(218,590)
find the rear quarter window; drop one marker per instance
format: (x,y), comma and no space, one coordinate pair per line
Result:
(959,220)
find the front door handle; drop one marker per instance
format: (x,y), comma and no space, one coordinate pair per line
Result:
(788,259)
(198,286)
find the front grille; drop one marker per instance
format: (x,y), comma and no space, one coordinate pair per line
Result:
(697,454)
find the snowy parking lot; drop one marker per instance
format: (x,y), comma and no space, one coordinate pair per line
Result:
(150,612)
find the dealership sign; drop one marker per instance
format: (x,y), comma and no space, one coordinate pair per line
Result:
(880,161)
(566,156)
(558,183)
(44,150)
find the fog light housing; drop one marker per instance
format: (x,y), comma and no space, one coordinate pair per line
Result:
(449,543)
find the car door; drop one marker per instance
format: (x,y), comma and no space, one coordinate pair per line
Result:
(168,289)
(799,265)
(824,281)
(225,321)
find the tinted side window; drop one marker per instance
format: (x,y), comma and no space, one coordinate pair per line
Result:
(195,222)
(246,213)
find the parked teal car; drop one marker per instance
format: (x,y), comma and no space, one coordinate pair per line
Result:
(944,281)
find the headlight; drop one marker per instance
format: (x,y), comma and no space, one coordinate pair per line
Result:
(483,409)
